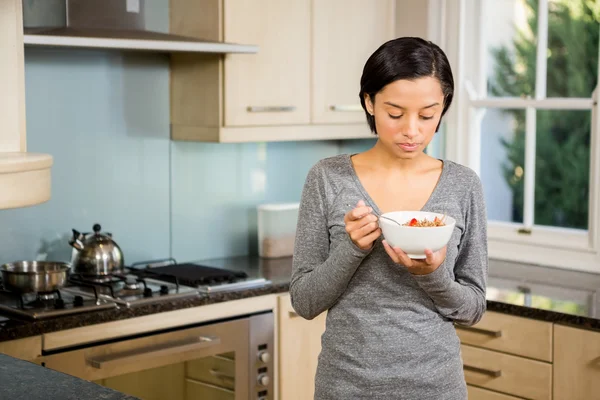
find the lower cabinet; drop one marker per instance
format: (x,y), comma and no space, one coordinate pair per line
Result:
(299,348)
(576,364)
(476,393)
(518,376)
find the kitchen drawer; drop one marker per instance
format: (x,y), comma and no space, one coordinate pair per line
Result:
(507,374)
(217,370)
(509,334)
(197,391)
(476,393)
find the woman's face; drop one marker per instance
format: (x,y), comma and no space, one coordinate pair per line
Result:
(407,114)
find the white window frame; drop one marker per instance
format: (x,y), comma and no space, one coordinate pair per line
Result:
(527,243)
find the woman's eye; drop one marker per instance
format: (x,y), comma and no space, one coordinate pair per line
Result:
(426,118)
(394,116)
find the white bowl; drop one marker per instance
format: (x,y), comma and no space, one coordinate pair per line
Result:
(415,240)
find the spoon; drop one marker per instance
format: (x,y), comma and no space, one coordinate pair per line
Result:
(382,216)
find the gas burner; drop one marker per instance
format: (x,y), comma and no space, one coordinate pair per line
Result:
(33,306)
(48,296)
(131,284)
(206,279)
(130,290)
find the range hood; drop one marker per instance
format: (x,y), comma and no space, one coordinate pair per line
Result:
(108,24)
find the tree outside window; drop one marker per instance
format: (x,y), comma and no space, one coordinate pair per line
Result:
(562,136)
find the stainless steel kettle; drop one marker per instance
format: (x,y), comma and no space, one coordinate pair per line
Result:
(95,254)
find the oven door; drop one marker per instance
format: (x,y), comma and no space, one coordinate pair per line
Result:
(206,362)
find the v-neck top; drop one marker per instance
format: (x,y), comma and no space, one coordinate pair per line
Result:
(389,334)
(369,200)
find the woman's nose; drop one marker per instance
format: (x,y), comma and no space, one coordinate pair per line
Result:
(409,127)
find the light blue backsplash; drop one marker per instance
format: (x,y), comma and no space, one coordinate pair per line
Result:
(104,116)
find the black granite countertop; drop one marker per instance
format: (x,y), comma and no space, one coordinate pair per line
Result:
(541,293)
(25,380)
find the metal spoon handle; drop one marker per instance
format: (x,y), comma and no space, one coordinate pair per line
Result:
(381,216)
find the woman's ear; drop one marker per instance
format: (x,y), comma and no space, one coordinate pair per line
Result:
(369,104)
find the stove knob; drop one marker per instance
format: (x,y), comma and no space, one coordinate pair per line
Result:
(59,303)
(164,289)
(78,301)
(263,380)
(147,292)
(264,356)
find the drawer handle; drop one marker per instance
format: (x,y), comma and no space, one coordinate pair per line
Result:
(145,353)
(484,371)
(208,385)
(345,107)
(224,377)
(271,109)
(474,329)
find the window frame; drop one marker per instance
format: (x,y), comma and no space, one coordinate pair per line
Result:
(457,27)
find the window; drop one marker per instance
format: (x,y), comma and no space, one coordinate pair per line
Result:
(526,119)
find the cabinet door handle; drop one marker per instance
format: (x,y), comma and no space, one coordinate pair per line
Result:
(345,107)
(482,331)
(484,371)
(270,108)
(224,377)
(145,353)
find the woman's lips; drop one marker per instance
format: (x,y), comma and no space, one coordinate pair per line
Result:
(408,146)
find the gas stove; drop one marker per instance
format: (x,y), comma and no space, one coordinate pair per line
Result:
(205,279)
(139,284)
(129,289)
(35,306)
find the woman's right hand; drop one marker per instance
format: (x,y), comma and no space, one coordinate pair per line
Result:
(362,226)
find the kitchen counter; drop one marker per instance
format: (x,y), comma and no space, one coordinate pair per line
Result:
(25,380)
(277,271)
(535,292)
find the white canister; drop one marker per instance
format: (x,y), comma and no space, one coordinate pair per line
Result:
(277,229)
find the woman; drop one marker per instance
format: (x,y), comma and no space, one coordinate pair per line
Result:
(390,332)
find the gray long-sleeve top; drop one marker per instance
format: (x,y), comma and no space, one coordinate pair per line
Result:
(389,333)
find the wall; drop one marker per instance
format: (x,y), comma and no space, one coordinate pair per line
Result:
(104,116)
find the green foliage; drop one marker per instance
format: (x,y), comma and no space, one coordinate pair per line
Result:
(562,145)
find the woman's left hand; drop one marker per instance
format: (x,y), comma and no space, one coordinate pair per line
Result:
(416,267)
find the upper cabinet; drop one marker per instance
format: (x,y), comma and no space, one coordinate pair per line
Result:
(271,87)
(301,85)
(345,34)
(24,177)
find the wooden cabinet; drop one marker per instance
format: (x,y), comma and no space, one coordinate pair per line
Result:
(345,34)
(298,86)
(24,177)
(25,349)
(299,348)
(508,374)
(271,87)
(509,334)
(476,393)
(505,355)
(576,364)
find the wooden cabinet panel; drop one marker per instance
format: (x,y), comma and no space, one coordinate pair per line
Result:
(476,393)
(345,34)
(299,348)
(272,86)
(24,349)
(576,363)
(507,374)
(515,335)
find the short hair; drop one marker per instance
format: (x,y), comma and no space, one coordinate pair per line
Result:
(405,58)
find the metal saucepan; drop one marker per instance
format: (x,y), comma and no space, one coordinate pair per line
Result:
(34,276)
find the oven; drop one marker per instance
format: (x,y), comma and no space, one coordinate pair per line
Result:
(221,360)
